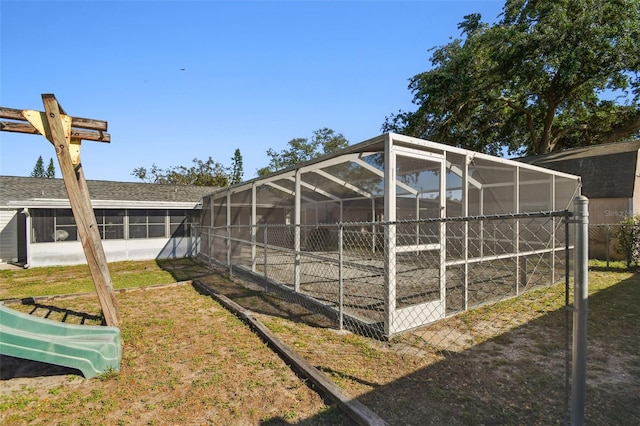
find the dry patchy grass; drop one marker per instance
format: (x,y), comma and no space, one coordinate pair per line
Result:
(188,361)
(185,361)
(500,364)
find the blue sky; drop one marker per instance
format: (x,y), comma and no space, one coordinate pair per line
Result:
(256,73)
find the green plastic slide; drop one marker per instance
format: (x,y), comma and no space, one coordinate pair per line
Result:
(90,349)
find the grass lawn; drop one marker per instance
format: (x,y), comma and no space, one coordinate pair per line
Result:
(188,361)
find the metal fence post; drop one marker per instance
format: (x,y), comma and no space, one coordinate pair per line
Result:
(581,290)
(567,319)
(254,230)
(608,245)
(229,257)
(340,276)
(264,251)
(297,257)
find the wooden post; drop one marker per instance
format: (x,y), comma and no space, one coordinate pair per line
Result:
(100,269)
(56,127)
(60,133)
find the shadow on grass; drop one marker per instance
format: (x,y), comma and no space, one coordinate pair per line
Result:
(252,296)
(329,417)
(183,269)
(517,377)
(613,268)
(13,368)
(67,315)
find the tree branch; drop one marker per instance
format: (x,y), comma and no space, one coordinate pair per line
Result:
(561,134)
(527,115)
(628,128)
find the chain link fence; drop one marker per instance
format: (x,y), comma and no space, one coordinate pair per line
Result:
(428,270)
(426,286)
(603,242)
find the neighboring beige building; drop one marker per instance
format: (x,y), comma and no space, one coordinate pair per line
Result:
(610,179)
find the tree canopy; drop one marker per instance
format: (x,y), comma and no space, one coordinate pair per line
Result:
(323,141)
(237,169)
(201,173)
(550,74)
(51,170)
(38,169)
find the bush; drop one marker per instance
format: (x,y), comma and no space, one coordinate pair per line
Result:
(628,236)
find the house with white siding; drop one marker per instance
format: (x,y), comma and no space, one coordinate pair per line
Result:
(137,221)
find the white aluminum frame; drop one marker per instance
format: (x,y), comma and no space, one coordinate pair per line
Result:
(392,145)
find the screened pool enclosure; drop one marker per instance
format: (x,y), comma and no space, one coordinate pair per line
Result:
(395,232)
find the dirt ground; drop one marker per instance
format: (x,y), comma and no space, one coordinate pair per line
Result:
(185,361)
(188,361)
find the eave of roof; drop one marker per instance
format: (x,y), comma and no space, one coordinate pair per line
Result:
(27,191)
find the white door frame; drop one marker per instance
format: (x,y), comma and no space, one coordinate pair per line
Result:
(398,320)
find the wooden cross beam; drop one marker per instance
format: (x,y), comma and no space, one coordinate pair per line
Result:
(81,128)
(66,133)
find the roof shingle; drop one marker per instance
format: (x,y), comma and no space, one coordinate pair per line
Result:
(607,170)
(19,189)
